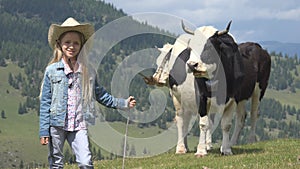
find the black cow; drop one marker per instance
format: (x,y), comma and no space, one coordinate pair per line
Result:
(227,76)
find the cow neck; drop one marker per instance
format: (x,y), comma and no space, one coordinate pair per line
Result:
(179,67)
(166,58)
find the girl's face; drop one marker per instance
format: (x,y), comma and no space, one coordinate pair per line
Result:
(71,44)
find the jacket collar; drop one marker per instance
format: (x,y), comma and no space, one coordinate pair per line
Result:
(60,65)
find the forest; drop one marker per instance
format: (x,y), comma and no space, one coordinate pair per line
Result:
(23,42)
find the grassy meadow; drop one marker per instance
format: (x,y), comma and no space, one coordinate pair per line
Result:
(18,133)
(274,154)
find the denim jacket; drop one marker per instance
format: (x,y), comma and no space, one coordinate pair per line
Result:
(54,96)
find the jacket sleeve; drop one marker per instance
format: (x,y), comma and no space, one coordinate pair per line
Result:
(106,99)
(45,103)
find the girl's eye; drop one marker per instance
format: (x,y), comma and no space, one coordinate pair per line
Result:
(67,42)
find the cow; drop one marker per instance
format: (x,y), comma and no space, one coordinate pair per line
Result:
(227,75)
(174,73)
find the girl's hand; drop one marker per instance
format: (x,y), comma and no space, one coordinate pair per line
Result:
(131,101)
(44,140)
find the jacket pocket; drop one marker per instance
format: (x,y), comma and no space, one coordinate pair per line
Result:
(57,85)
(56,79)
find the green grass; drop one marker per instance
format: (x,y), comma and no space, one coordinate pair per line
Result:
(274,154)
(285,97)
(18,133)
(134,131)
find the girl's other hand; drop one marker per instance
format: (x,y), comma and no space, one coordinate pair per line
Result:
(131,101)
(44,140)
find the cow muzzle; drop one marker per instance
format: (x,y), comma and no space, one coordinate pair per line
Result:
(159,79)
(199,70)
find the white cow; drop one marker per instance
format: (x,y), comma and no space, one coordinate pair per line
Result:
(173,72)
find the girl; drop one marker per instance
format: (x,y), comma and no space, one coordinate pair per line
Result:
(66,95)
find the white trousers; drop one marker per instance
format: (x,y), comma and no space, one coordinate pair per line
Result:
(78,141)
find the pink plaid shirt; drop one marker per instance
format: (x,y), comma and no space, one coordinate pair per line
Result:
(74,118)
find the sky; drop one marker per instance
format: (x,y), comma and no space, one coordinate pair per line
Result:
(252,20)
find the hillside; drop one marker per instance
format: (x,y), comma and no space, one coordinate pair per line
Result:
(276,154)
(18,133)
(290,49)
(24,53)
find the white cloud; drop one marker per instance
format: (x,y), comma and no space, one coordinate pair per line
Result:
(293,14)
(259,16)
(213,9)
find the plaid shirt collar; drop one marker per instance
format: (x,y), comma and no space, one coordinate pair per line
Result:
(68,70)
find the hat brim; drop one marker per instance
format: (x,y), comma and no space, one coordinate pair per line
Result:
(56,30)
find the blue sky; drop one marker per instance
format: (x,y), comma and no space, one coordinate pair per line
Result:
(253,20)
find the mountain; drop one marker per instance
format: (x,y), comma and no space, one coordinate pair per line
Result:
(280,47)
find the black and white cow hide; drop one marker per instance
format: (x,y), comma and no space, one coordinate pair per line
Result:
(172,72)
(231,74)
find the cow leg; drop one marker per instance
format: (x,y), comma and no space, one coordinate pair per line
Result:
(187,116)
(204,126)
(254,113)
(208,139)
(180,148)
(239,121)
(213,110)
(182,122)
(226,125)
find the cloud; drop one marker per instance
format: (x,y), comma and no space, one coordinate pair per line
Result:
(262,18)
(211,10)
(293,14)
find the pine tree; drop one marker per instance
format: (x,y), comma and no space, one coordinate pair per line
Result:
(10,79)
(2,62)
(99,155)
(132,151)
(145,151)
(21,164)
(20,110)
(3,114)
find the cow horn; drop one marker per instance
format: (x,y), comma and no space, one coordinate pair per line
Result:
(187,30)
(226,30)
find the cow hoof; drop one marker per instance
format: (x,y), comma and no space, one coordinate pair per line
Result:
(181,150)
(200,155)
(209,147)
(226,153)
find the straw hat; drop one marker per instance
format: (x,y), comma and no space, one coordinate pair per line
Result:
(70,24)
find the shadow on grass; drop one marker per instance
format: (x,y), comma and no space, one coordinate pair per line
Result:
(235,150)
(239,150)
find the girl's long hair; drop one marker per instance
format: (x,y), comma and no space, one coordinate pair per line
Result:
(88,75)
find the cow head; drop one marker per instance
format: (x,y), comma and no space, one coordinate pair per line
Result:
(171,63)
(209,52)
(220,55)
(160,77)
